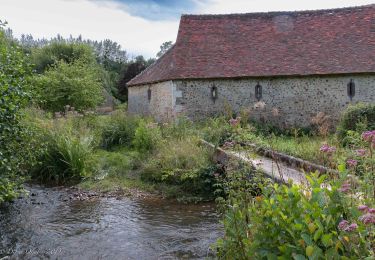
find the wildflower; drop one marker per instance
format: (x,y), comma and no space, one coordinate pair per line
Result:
(371,210)
(361,152)
(352,227)
(216,175)
(352,162)
(325,148)
(343,225)
(368,218)
(332,149)
(363,208)
(234,122)
(368,136)
(345,187)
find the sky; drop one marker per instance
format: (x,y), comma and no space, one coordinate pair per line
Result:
(140,26)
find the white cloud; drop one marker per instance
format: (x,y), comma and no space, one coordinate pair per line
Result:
(244,6)
(47,18)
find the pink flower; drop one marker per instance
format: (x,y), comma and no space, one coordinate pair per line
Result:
(345,187)
(325,148)
(371,210)
(363,208)
(351,227)
(234,122)
(368,136)
(368,218)
(343,224)
(361,152)
(352,162)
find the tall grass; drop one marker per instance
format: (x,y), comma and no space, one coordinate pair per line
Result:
(119,129)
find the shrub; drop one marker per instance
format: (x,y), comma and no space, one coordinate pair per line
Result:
(146,136)
(67,154)
(119,129)
(216,130)
(178,129)
(359,117)
(77,84)
(48,56)
(295,223)
(182,162)
(14,95)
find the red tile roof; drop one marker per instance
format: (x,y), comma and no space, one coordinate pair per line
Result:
(337,41)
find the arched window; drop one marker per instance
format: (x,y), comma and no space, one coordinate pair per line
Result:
(258,92)
(351,89)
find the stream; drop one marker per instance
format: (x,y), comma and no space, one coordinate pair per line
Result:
(47,225)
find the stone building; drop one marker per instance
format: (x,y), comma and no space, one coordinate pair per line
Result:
(294,63)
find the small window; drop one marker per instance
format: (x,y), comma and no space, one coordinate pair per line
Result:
(214,93)
(351,89)
(149,94)
(258,92)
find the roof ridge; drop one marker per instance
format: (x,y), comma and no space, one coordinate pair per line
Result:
(272,13)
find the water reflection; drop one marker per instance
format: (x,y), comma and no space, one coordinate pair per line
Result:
(45,226)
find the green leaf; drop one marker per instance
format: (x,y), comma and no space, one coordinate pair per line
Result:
(327,240)
(309,250)
(318,234)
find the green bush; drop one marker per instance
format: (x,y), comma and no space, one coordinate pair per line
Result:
(15,92)
(295,222)
(216,130)
(67,154)
(119,129)
(50,55)
(146,137)
(359,117)
(182,162)
(77,84)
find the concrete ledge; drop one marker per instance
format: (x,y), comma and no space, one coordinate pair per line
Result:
(292,161)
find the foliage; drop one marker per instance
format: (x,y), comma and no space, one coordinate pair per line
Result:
(146,137)
(67,153)
(182,162)
(164,48)
(50,55)
(179,129)
(119,130)
(133,69)
(14,95)
(216,130)
(359,117)
(77,84)
(295,223)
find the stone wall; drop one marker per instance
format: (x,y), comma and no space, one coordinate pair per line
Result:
(159,105)
(288,102)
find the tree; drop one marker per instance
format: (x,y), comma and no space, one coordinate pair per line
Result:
(133,69)
(51,54)
(14,95)
(164,48)
(77,84)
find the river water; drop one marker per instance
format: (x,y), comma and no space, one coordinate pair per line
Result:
(48,225)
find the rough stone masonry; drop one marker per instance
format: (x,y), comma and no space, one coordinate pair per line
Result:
(281,67)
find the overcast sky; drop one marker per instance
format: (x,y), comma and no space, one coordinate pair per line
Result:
(140,26)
